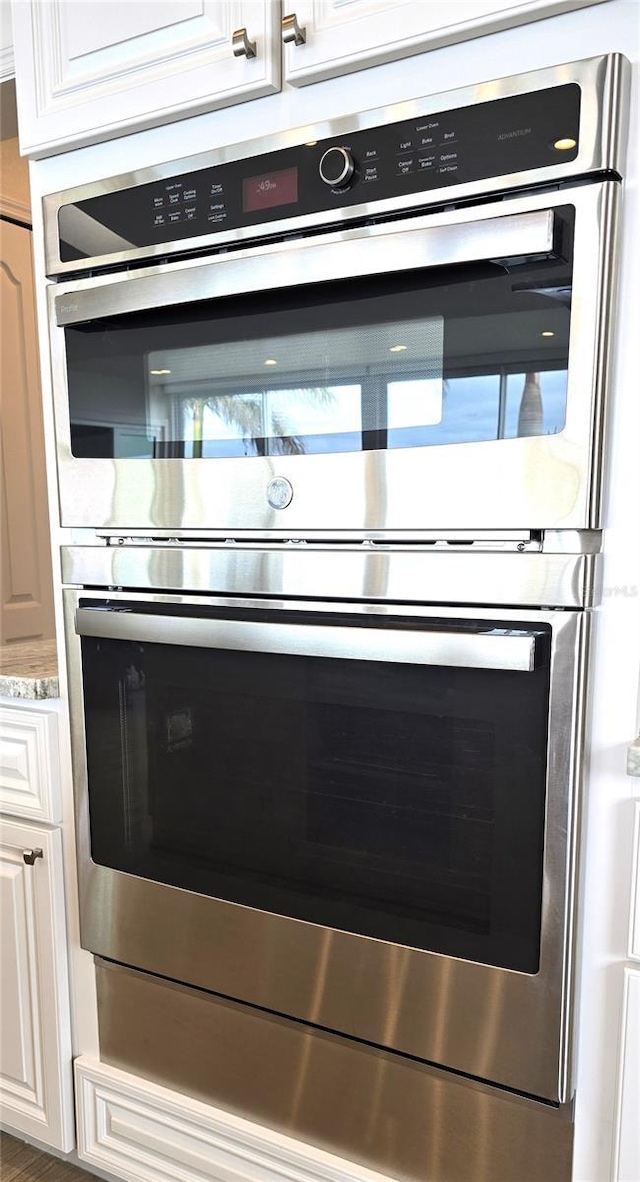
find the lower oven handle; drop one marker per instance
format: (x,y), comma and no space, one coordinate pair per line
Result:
(495,649)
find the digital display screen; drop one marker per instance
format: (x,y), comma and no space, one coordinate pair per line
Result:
(274,188)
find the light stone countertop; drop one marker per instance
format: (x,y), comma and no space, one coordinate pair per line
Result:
(29,669)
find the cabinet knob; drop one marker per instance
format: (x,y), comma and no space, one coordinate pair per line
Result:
(30,856)
(292,34)
(241,45)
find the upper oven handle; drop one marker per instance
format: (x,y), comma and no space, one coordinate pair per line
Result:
(511,650)
(369,250)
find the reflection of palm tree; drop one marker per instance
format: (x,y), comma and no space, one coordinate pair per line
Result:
(531,416)
(258,423)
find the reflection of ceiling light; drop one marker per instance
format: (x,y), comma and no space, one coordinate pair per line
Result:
(547,333)
(398,348)
(311,144)
(565,145)
(157,372)
(270,361)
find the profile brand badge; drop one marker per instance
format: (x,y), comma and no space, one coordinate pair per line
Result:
(279,492)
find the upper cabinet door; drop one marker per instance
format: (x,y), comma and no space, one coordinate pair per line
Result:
(345,35)
(90,72)
(6,42)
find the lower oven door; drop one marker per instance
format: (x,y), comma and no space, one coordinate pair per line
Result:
(358,816)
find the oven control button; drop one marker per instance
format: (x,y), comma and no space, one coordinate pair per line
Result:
(279,492)
(337,167)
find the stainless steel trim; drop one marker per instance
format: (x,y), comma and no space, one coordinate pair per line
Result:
(496,649)
(397,248)
(241,45)
(403,575)
(406,1119)
(604,82)
(416,1002)
(508,539)
(292,32)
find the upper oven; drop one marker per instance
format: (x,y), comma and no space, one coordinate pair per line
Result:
(286,340)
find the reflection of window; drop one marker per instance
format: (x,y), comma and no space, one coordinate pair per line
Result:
(471,409)
(321,391)
(305,417)
(414,402)
(123,441)
(411,411)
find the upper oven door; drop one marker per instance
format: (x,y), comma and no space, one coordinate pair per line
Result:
(442,372)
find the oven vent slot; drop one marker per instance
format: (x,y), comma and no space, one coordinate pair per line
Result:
(523,540)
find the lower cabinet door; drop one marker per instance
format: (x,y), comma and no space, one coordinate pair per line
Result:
(36,1085)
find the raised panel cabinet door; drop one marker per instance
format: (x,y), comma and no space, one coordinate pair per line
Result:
(36,1089)
(6,42)
(26,593)
(91,72)
(338,36)
(29,762)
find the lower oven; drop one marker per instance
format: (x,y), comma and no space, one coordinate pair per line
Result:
(357,811)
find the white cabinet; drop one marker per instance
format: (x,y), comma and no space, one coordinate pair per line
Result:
(36,1094)
(26,595)
(29,764)
(627,1151)
(345,35)
(634,921)
(90,72)
(6,41)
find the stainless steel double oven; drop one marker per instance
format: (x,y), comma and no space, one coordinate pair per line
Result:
(330,416)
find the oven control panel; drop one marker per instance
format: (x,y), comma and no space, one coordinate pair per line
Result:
(405,159)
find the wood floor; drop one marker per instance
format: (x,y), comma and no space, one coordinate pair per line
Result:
(22,1163)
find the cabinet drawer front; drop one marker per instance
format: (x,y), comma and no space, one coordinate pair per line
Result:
(145,1133)
(29,764)
(36,1081)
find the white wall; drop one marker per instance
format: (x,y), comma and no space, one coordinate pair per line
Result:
(612,26)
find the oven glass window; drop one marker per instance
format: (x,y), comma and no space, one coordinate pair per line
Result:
(403,802)
(438,356)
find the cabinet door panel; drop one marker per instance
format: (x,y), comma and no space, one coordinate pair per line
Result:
(346,35)
(6,42)
(29,763)
(36,1094)
(134,65)
(26,599)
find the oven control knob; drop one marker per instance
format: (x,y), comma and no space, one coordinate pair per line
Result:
(337,167)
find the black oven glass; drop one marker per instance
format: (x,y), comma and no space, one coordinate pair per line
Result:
(402,802)
(436,356)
